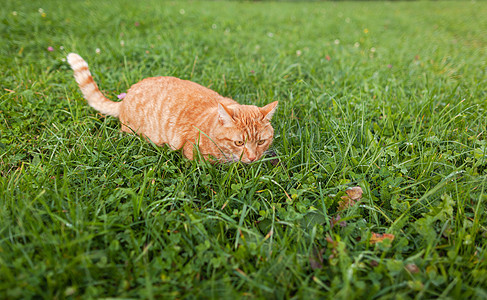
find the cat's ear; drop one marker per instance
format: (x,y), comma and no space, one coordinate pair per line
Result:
(269,110)
(225,115)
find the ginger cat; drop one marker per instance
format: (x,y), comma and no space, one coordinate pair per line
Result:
(184,114)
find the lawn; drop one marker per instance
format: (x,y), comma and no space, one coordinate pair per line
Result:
(387,98)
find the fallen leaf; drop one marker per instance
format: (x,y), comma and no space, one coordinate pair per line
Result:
(374,263)
(273,161)
(354,194)
(345,203)
(412,268)
(379,238)
(335,220)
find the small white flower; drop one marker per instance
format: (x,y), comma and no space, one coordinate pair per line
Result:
(97,50)
(63,59)
(356,45)
(298,53)
(270,34)
(14,13)
(214,26)
(372,49)
(61,48)
(347,20)
(40,10)
(122,43)
(337,42)
(182,11)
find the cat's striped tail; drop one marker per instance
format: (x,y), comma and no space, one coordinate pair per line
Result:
(89,88)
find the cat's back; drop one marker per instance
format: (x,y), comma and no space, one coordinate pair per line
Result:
(163,108)
(168,96)
(172,87)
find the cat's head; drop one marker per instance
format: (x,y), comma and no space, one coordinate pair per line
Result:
(244,131)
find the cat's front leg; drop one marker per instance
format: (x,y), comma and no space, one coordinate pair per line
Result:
(188,150)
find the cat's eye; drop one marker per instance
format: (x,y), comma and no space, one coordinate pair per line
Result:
(261,142)
(239,143)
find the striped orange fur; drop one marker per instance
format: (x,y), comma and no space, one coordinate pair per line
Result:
(184,114)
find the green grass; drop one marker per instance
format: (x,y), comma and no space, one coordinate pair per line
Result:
(390,97)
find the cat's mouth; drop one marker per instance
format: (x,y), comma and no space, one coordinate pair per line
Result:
(231,158)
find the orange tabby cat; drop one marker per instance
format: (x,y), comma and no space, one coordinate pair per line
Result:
(184,114)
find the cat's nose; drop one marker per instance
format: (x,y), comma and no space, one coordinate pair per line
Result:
(252,158)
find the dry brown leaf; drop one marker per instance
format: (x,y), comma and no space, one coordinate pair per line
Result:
(335,220)
(354,194)
(412,268)
(379,238)
(345,203)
